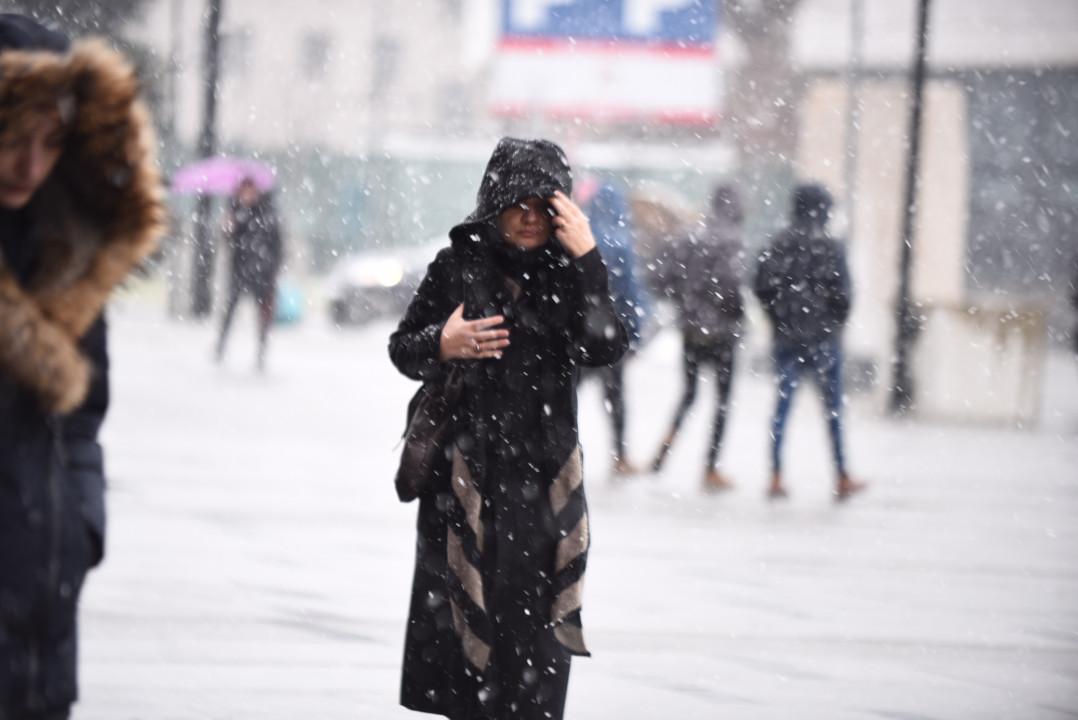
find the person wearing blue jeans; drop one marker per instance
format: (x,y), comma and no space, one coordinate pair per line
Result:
(803,283)
(823,363)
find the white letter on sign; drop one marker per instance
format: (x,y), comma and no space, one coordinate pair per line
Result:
(642,17)
(532,14)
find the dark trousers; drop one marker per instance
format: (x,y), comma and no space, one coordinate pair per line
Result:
(720,356)
(823,362)
(39,632)
(29,653)
(613,379)
(265,300)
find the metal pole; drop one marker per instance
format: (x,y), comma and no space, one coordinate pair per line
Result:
(177,303)
(169,118)
(906,322)
(853,112)
(202,292)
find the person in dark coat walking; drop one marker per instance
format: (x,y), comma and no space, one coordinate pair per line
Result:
(80,206)
(254,236)
(803,283)
(705,278)
(611,225)
(516,305)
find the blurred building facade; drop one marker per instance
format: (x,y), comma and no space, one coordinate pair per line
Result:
(997,214)
(378,114)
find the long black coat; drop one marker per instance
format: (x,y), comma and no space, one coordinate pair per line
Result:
(257,249)
(589,334)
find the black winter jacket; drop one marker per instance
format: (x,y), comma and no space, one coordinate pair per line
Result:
(803,284)
(706,284)
(257,249)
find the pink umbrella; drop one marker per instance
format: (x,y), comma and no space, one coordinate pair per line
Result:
(221,176)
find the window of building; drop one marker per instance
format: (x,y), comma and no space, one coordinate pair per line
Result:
(237,47)
(314,55)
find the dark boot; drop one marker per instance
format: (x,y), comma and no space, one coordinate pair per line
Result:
(664,450)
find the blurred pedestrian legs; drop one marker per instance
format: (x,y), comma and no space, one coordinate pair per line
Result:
(611,224)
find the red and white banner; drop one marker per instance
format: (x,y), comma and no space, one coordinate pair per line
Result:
(608,61)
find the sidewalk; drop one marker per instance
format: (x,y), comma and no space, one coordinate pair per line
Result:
(259,564)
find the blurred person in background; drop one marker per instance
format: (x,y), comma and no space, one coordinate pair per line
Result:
(705,274)
(254,237)
(803,284)
(518,303)
(608,213)
(80,206)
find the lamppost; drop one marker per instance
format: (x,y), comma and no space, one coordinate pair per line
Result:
(906,321)
(853,112)
(202,291)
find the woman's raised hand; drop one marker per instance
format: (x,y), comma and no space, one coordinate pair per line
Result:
(571,226)
(472,339)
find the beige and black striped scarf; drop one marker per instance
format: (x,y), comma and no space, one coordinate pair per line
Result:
(464,550)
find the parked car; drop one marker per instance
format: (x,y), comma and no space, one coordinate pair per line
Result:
(377,284)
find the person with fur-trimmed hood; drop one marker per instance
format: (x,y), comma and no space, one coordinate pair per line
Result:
(80,206)
(518,303)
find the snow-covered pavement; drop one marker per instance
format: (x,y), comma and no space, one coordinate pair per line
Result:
(259,563)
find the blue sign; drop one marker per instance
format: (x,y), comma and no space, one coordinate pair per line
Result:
(689,22)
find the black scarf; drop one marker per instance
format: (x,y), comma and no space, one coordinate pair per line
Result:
(527,296)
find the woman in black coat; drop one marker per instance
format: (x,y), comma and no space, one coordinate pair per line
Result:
(79,207)
(515,306)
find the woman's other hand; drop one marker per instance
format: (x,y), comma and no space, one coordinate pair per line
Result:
(571,226)
(472,339)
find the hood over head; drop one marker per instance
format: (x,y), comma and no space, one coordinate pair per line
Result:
(726,204)
(811,204)
(519,169)
(99,213)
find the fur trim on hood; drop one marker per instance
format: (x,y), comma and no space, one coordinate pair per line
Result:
(97,216)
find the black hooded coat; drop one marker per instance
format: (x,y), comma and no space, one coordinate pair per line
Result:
(257,249)
(802,279)
(516,428)
(60,257)
(707,274)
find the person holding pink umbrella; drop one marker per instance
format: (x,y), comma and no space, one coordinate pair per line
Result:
(254,236)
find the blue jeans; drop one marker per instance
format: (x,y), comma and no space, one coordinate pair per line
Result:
(823,360)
